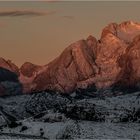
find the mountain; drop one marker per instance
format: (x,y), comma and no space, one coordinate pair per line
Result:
(94,63)
(111,61)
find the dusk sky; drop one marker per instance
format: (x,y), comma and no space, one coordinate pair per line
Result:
(39,31)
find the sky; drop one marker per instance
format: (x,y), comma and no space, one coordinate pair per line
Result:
(39,31)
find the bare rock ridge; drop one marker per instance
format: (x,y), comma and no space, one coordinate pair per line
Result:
(90,62)
(111,61)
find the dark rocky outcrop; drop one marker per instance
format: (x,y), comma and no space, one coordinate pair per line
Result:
(9,82)
(7,64)
(7,75)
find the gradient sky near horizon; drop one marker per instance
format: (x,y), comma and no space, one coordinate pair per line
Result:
(39,31)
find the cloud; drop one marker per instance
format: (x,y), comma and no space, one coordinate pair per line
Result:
(68,17)
(13,13)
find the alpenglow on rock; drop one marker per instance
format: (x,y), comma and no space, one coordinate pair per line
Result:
(92,62)
(111,61)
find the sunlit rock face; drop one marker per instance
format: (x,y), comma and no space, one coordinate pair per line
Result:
(125,31)
(75,64)
(109,50)
(93,62)
(129,77)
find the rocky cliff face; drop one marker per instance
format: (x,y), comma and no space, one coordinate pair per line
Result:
(93,62)
(75,64)
(111,61)
(129,76)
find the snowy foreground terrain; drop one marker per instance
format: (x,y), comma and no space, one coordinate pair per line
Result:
(53,116)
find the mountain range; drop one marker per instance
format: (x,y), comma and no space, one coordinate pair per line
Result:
(113,61)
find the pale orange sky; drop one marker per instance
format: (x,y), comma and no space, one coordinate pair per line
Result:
(39,31)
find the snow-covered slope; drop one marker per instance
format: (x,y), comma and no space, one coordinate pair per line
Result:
(48,115)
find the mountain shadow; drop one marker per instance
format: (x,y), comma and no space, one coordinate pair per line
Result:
(9,80)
